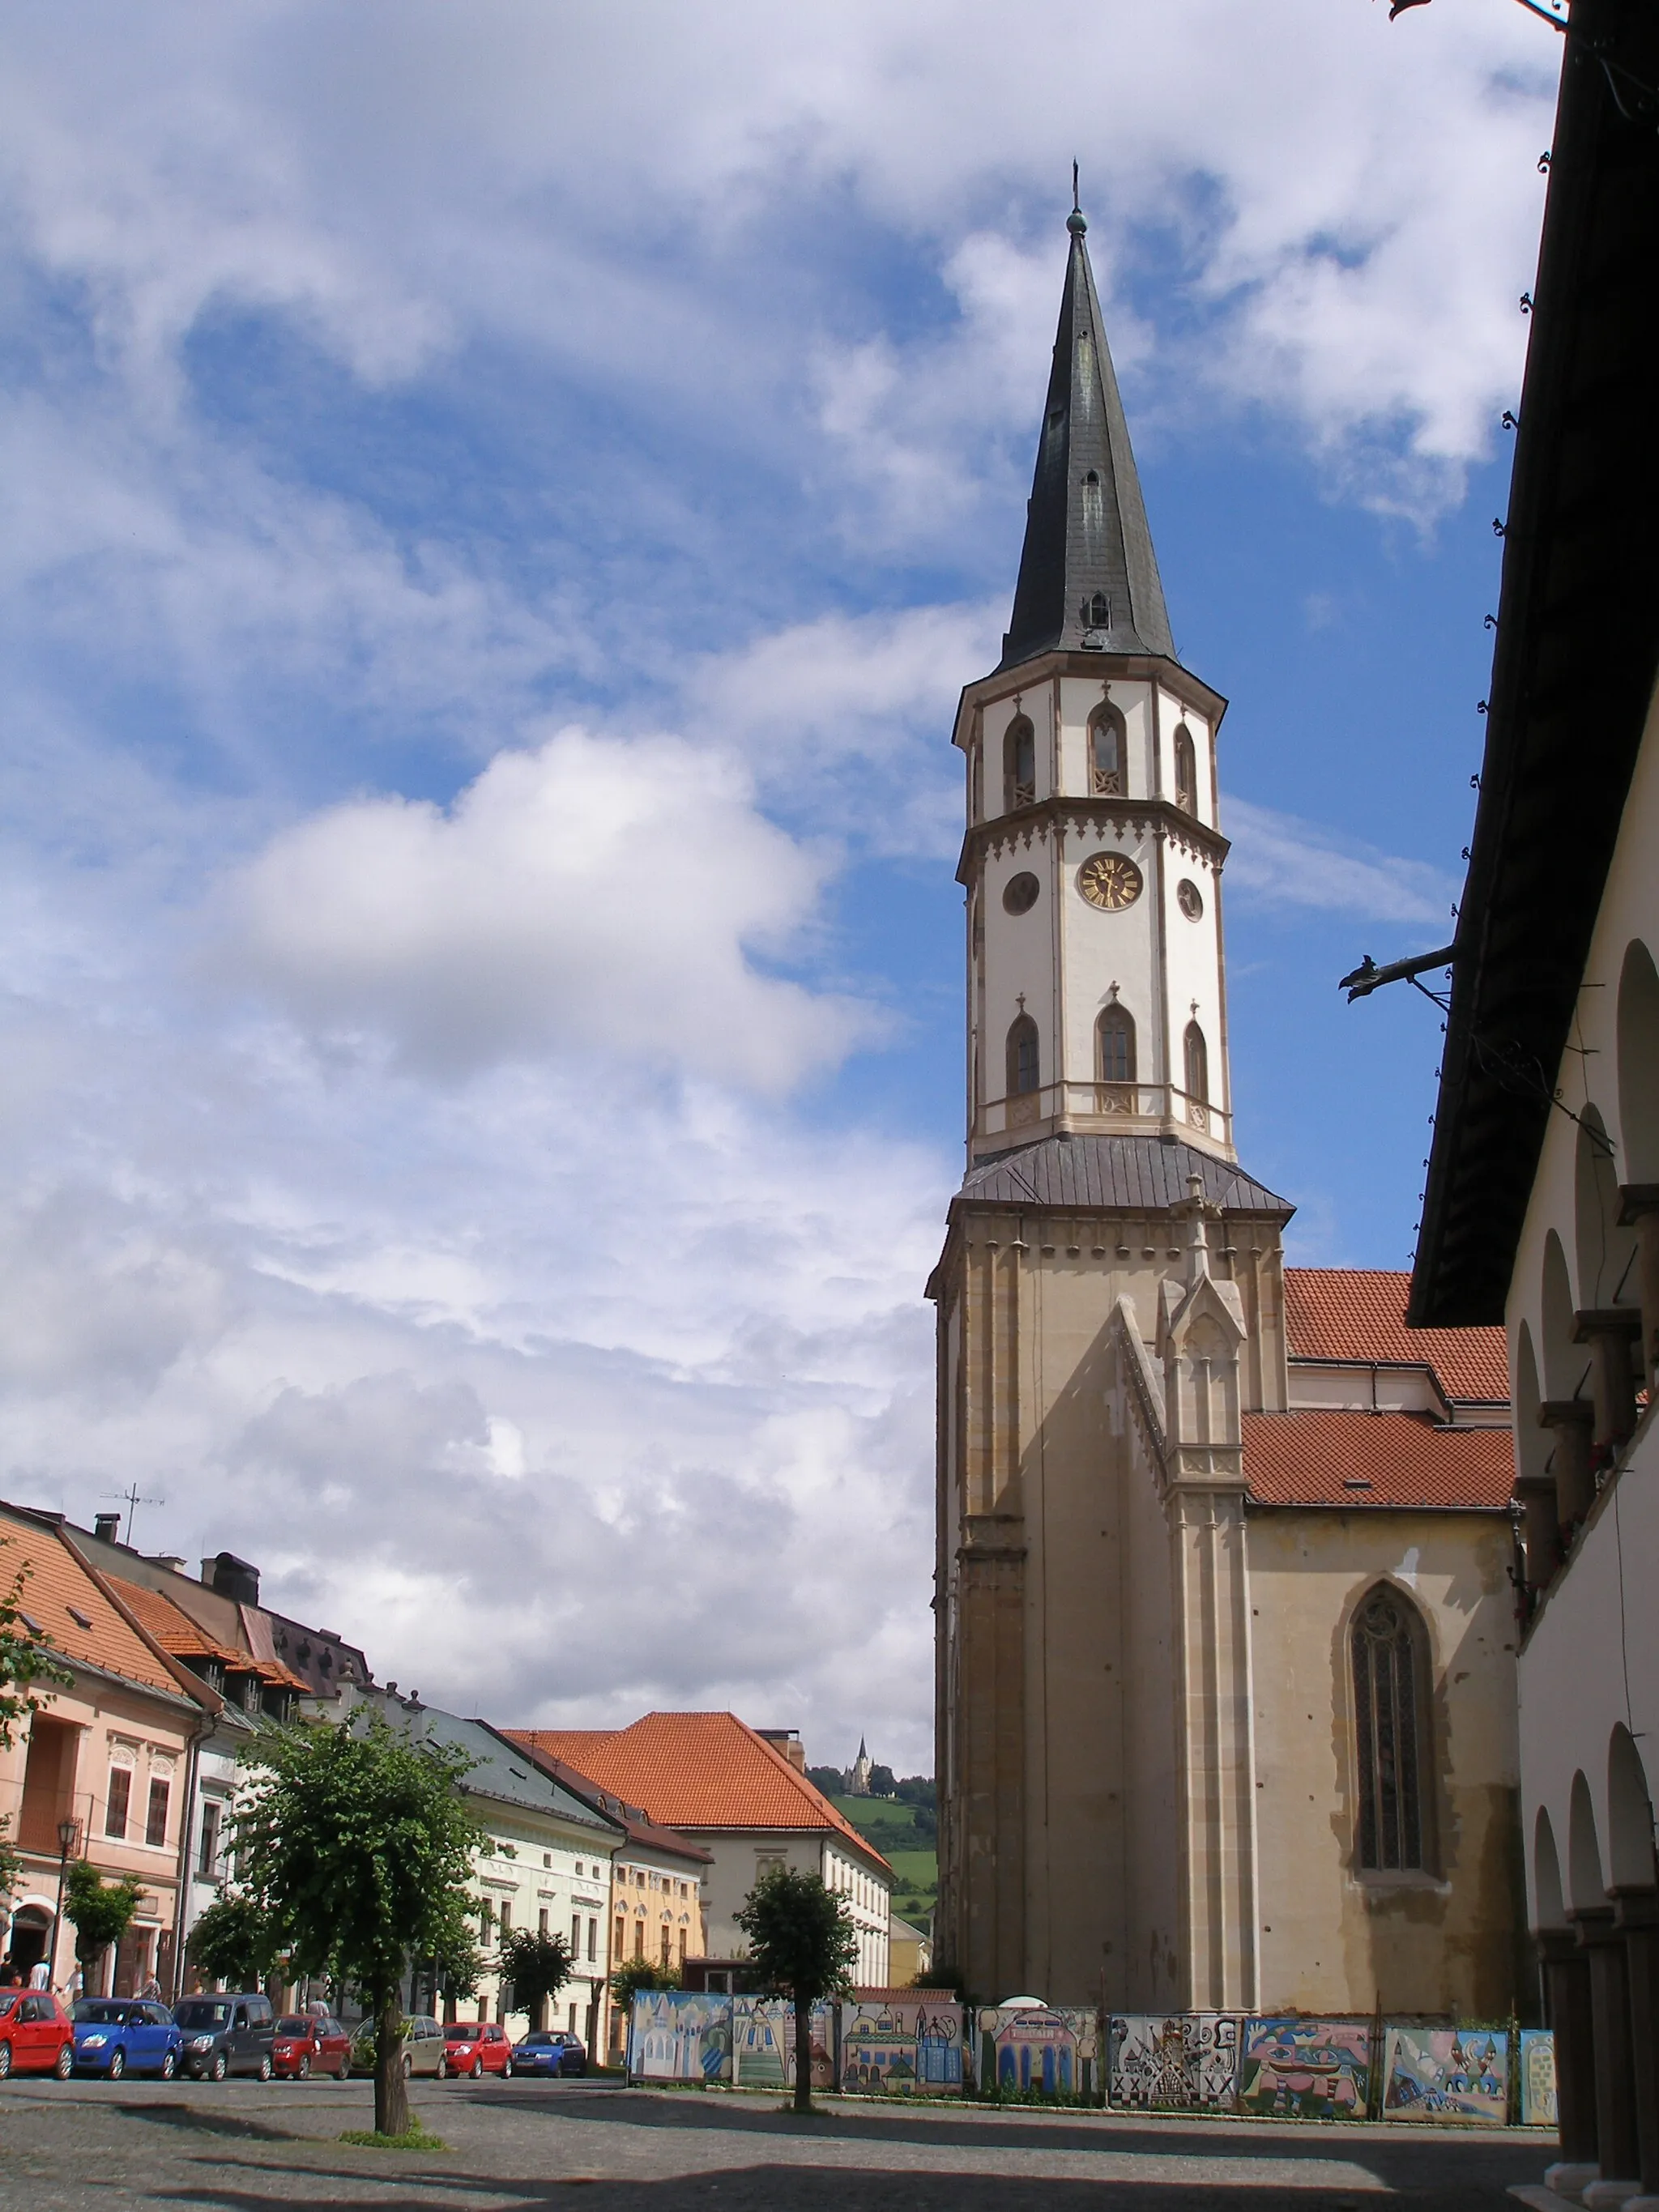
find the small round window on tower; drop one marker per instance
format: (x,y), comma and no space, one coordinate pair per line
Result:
(1021,894)
(1189,899)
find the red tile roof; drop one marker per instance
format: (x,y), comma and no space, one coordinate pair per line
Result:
(170,1626)
(646,1835)
(696,1770)
(61,1597)
(1359,1313)
(1390,1459)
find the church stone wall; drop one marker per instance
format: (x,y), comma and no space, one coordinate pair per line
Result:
(1334,1939)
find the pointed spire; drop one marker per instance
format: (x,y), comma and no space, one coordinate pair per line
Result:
(1088,576)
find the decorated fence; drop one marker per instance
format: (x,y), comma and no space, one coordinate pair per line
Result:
(887,2043)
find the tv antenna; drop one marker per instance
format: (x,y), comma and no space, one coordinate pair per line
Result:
(132,1500)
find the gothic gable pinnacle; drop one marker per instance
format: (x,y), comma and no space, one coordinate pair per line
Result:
(1087,575)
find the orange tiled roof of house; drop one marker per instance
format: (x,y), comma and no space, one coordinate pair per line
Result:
(1367,1460)
(1360,1314)
(171,1625)
(62,1597)
(696,1770)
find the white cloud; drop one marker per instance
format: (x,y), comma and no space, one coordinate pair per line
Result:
(590,896)
(1278,860)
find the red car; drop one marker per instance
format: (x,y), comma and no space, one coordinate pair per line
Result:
(476,2047)
(305,2042)
(36,2034)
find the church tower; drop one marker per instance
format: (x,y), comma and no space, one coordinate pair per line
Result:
(1109,1297)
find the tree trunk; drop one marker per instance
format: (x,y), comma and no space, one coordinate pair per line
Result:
(803,2053)
(390,2090)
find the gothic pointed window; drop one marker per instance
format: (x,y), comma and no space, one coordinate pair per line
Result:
(1390,1653)
(1186,771)
(1106,751)
(1022,1057)
(1115,1034)
(1196,1057)
(1097,612)
(1018,765)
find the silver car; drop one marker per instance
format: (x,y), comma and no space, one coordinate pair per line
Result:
(423,2045)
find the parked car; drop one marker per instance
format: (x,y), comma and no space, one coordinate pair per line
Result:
(550,2050)
(126,2035)
(424,2047)
(303,2042)
(476,2047)
(36,2034)
(230,2034)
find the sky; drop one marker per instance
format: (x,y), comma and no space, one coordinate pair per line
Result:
(500,504)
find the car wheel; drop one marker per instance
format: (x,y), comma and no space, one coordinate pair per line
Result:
(65,2065)
(117,2064)
(344,2074)
(408,2066)
(266,2069)
(219,2067)
(443,2069)
(5,2060)
(477,2068)
(507,2071)
(169,2065)
(302,2071)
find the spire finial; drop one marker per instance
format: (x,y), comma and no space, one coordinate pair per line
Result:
(1074,222)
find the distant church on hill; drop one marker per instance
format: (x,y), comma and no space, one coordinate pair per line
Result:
(1226,1630)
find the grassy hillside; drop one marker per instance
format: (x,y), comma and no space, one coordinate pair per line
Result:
(892,1829)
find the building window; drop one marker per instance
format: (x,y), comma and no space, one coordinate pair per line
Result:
(621,1944)
(667,1945)
(1389,1670)
(1186,770)
(1116,1030)
(541,1923)
(1022,1057)
(575,1935)
(207,1864)
(683,1934)
(1106,752)
(118,1801)
(1197,1058)
(1018,765)
(155,1824)
(593,1939)
(639,1939)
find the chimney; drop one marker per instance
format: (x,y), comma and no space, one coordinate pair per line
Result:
(231,1577)
(173,1561)
(787,1740)
(105,1527)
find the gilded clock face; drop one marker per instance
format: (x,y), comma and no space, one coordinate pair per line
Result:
(1109,880)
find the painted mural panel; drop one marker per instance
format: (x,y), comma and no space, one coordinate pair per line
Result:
(1538,2078)
(764,2044)
(901,2044)
(1447,2073)
(1183,2060)
(1032,2049)
(680,2035)
(1311,2069)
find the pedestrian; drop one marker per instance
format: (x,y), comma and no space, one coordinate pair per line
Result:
(74,1988)
(9,1977)
(151,1991)
(40,1975)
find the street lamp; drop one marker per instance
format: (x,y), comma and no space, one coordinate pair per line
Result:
(69,1839)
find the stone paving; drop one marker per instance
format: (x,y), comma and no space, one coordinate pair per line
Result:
(244,2147)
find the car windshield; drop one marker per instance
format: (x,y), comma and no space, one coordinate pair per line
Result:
(461,2031)
(541,2036)
(92,2008)
(294,2026)
(200,2014)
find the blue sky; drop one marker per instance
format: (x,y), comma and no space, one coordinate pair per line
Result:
(502,502)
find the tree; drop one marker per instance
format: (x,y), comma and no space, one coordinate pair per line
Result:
(882,1783)
(803,1945)
(358,1843)
(24,1658)
(538,1965)
(918,1790)
(235,1942)
(829,1779)
(101,1911)
(11,1865)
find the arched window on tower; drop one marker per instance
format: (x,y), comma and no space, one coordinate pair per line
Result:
(1022,1057)
(1114,1034)
(1106,752)
(1018,765)
(1196,1058)
(1388,1654)
(1186,770)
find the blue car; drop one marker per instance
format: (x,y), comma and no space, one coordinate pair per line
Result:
(125,2035)
(550,2050)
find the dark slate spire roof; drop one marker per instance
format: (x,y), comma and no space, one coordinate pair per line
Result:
(1085,526)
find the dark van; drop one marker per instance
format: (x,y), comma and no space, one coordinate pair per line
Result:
(229,2034)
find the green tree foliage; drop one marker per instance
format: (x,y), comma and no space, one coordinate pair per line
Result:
(101,1911)
(829,1779)
(537,1965)
(11,1865)
(24,1659)
(636,1974)
(235,1942)
(918,1790)
(802,1943)
(358,1843)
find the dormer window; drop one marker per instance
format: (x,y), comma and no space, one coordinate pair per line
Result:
(1106,749)
(1018,765)
(1097,612)
(1186,771)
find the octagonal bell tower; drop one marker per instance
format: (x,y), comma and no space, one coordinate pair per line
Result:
(1096,985)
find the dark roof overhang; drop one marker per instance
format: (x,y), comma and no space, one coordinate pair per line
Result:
(1126,667)
(1573,669)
